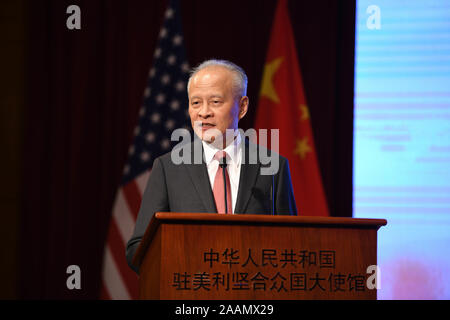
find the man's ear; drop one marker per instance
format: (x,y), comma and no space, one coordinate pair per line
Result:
(243,107)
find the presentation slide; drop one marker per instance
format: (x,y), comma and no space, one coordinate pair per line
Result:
(402,141)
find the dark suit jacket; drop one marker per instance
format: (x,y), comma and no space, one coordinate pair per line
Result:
(186,188)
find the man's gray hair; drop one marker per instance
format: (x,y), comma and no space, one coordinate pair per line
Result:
(239,77)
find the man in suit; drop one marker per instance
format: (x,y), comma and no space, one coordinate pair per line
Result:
(229,177)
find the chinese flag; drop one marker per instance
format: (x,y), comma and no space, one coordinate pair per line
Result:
(283,106)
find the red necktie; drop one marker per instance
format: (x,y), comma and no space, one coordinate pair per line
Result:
(218,188)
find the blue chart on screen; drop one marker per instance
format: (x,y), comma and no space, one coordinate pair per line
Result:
(402,142)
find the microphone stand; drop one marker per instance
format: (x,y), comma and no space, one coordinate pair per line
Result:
(272,201)
(223,165)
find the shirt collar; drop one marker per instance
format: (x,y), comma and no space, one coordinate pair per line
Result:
(232,150)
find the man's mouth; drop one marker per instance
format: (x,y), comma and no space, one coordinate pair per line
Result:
(206,126)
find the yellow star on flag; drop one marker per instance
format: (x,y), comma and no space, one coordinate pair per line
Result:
(305,112)
(268,88)
(302,147)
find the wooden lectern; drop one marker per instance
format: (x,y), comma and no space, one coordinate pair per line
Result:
(257,257)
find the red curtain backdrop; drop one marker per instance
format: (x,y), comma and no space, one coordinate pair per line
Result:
(84,90)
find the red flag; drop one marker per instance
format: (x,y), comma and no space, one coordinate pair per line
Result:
(283,106)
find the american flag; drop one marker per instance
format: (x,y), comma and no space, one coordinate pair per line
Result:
(164,109)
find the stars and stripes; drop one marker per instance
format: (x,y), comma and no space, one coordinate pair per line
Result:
(163,110)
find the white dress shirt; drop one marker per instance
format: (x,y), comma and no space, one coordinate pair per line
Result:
(234,159)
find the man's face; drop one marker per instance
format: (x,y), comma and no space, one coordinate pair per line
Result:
(213,106)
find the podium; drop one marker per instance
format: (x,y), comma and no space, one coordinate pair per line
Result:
(203,256)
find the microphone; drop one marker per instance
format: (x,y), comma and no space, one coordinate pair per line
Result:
(223,165)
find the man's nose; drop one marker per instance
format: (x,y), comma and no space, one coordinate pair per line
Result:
(205,111)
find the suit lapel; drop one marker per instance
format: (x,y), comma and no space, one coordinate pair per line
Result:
(200,179)
(247,179)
